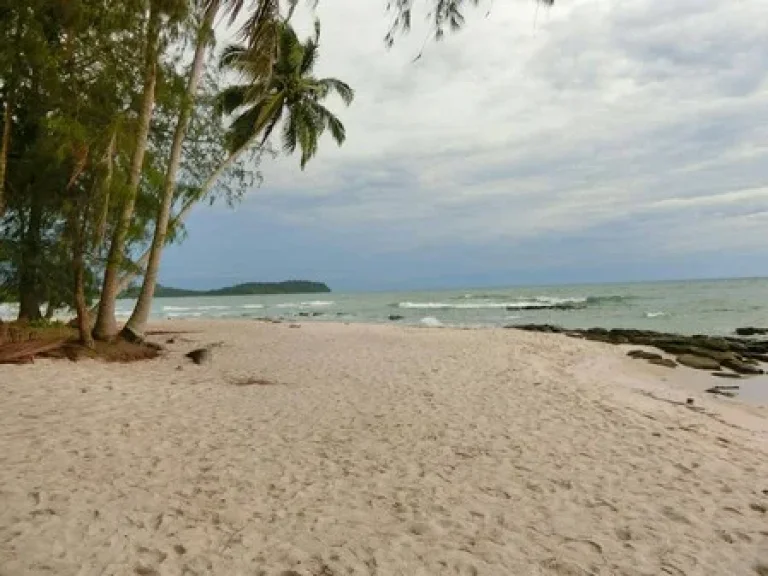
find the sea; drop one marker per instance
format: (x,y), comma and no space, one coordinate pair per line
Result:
(686,307)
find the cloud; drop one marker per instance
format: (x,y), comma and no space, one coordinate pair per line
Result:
(644,120)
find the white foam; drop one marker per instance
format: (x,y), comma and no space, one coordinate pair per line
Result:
(176,308)
(488,305)
(211,308)
(253,306)
(184,314)
(431,322)
(654,314)
(310,304)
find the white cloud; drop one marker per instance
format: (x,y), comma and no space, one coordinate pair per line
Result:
(603,113)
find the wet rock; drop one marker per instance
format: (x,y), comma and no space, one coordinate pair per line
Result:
(199,355)
(741,367)
(643,355)
(395,317)
(751,331)
(698,362)
(723,391)
(729,375)
(666,362)
(546,328)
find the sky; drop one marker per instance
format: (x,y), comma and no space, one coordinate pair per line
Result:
(593,141)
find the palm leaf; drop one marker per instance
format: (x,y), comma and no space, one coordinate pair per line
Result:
(343,89)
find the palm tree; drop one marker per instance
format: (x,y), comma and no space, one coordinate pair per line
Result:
(278,69)
(291,93)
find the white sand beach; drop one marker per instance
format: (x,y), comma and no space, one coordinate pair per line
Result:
(377,450)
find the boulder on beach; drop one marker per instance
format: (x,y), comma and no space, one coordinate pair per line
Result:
(666,362)
(643,355)
(751,331)
(698,362)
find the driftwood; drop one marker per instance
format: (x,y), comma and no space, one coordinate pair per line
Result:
(25,352)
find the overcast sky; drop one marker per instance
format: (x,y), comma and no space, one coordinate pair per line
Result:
(593,141)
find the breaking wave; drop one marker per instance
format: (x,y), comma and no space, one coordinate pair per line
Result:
(532,303)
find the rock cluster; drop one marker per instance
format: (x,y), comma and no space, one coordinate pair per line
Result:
(729,356)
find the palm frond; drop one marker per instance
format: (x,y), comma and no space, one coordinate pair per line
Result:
(309,57)
(232,57)
(338,132)
(343,89)
(290,134)
(231,98)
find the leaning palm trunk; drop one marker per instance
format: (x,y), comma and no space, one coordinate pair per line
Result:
(134,328)
(125,280)
(106,323)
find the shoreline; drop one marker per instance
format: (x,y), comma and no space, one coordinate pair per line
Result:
(362,449)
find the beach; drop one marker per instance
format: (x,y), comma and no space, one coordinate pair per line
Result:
(325,449)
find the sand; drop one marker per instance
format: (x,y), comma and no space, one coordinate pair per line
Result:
(377,450)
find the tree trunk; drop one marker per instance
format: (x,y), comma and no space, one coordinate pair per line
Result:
(134,328)
(106,323)
(29,270)
(5,145)
(104,192)
(186,208)
(78,265)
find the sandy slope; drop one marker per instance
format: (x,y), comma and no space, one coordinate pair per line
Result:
(378,450)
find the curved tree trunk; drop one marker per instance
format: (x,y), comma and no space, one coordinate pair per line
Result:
(186,208)
(134,328)
(106,323)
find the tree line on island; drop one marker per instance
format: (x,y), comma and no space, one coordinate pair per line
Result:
(119,117)
(245,289)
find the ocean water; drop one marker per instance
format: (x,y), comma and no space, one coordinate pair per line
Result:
(711,307)
(689,307)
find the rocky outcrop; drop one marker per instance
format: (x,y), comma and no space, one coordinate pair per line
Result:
(741,355)
(751,331)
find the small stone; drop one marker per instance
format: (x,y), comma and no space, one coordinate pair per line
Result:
(395,317)
(666,362)
(200,355)
(689,401)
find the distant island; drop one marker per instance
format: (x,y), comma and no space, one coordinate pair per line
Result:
(247,289)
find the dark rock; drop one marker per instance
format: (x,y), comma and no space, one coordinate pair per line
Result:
(742,367)
(698,362)
(171,341)
(758,357)
(547,328)
(751,331)
(200,355)
(643,355)
(666,362)
(395,317)
(721,391)
(730,375)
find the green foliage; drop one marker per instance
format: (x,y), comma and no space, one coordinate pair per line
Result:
(289,93)
(247,289)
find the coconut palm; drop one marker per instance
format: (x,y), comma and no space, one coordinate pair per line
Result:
(291,93)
